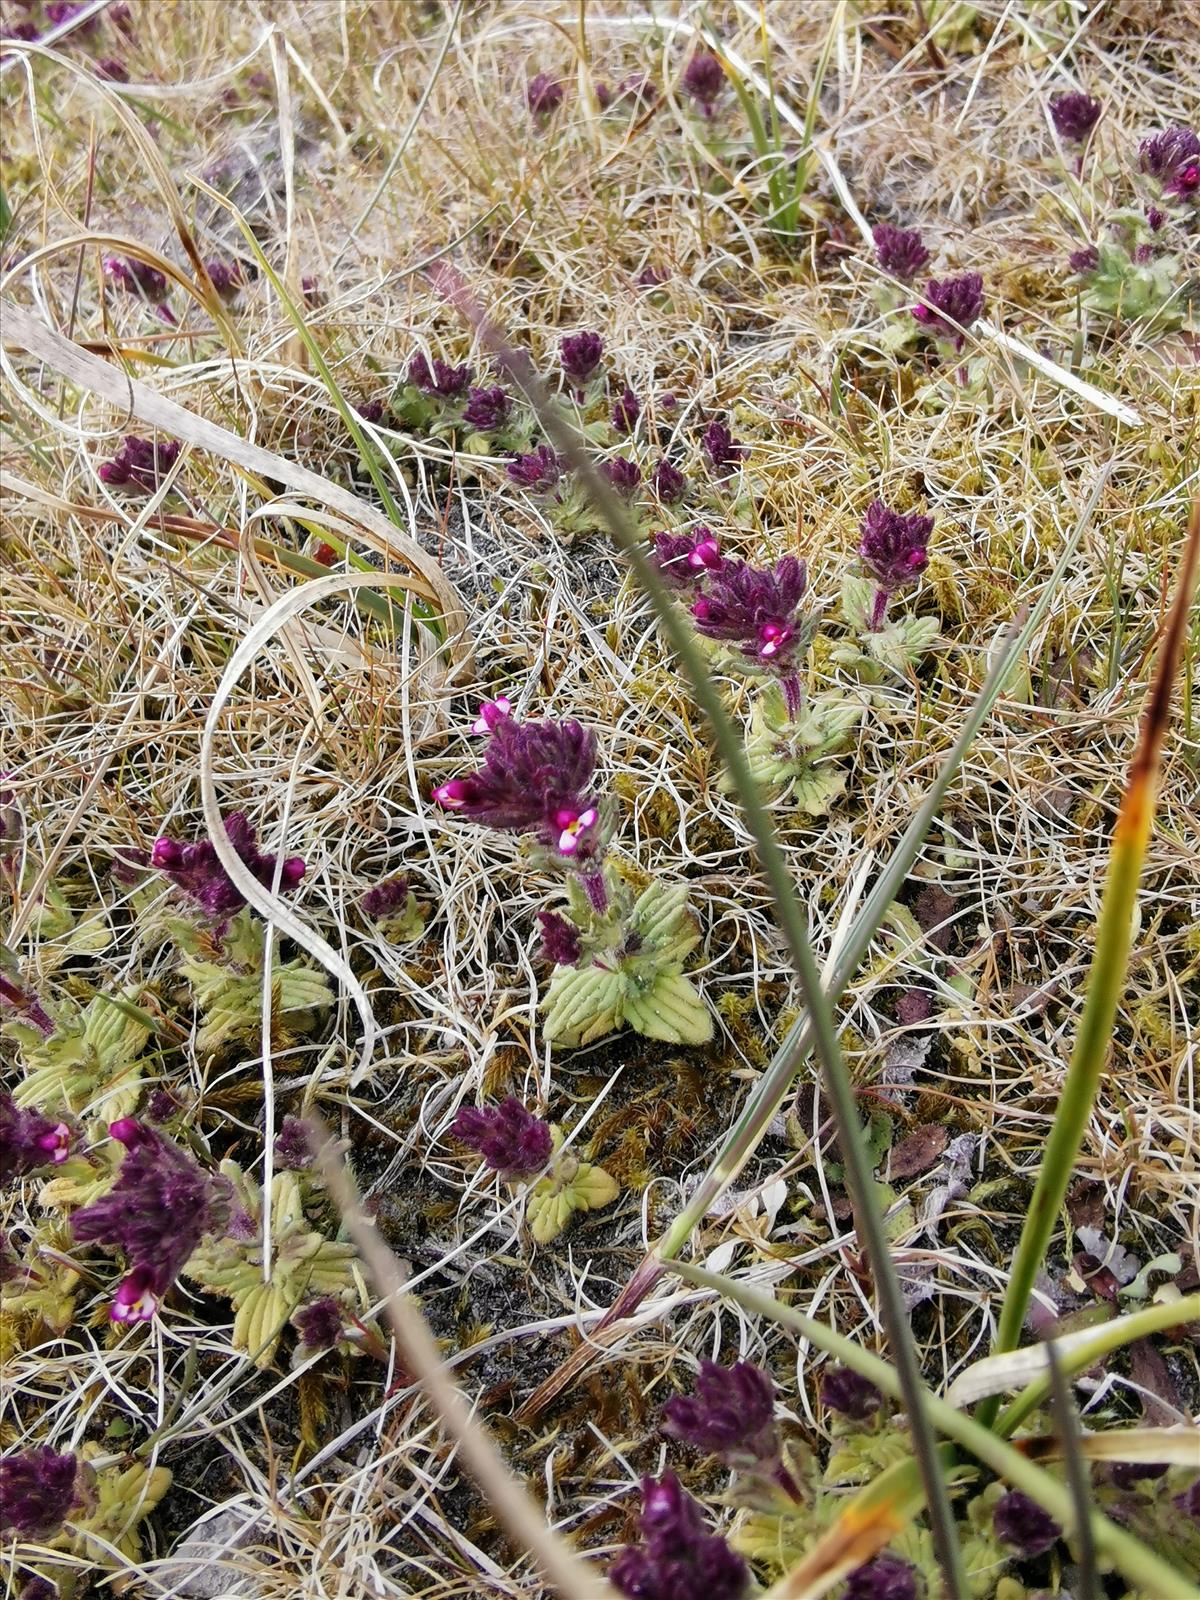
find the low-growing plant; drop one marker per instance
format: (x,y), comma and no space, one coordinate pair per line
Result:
(617,957)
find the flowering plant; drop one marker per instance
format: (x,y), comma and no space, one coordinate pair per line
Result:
(618,960)
(518,1145)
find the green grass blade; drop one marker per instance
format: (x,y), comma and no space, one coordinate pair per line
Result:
(1114,935)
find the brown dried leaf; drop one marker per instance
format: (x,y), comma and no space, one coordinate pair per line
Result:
(919,1150)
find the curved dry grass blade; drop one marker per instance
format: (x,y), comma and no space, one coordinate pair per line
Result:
(571,1576)
(1138,1564)
(1114,935)
(1084,1349)
(789,910)
(768,1094)
(1076,1351)
(24,331)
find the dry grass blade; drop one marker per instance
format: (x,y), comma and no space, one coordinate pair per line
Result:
(22,330)
(571,1577)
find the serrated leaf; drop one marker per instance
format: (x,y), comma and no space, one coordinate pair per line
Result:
(582,1004)
(814,791)
(672,1010)
(660,911)
(259,1321)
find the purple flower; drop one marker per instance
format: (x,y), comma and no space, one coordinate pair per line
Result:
(899,251)
(293,1145)
(1021,1522)
(704,80)
(195,870)
(845,1391)
(26,31)
(227,276)
(652,277)
(386,898)
(1074,116)
(679,1559)
(487,409)
(1173,158)
(560,940)
(38,1588)
(60,11)
(950,306)
(731,1412)
(37,1490)
(162,1105)
(626,412)
(136,277)
(370,410)
(29,1141)
(161,1206)
(511,1140)
(683,559)
(320,1324)
(543,95)
(721,448)
(535,778)
(139,464)
(1155,218)
(580,354)
(623,475)
(885,1578)
(114,70)
(540,470)
(894,549)
(757,610)
(441,380)
(1126,1473)
(1084,261)
(669,483)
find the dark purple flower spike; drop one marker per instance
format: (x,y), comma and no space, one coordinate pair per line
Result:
(140,464)
(581,354)
(560,940)
(535,778)
(899,251)
(669,483)
(757,612)
(293,1145)
(885,1578)
(678,1558)
(845,1391)
(196,871)
(722,449)
(487,409)
(543,95)
(386,898)
(539,470)
(511,1140)
(320,1324)
(156,1213)
(441,381)
(731,1414)
(136,277)
(1074,116)
(895,551)
(226,276)
(704,80)
(37,1490)
(1173,158)
(950,306)
(1021,1522)
(626,411)
(623,475)
(684,559)
(29,1141)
